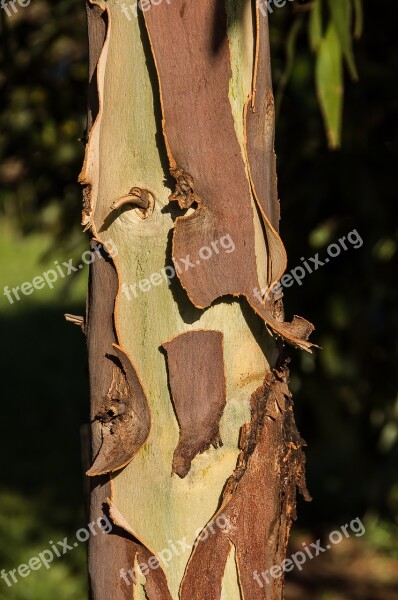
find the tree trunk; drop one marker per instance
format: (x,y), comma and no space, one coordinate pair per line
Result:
(195,453)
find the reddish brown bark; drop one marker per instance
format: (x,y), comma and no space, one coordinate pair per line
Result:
(259,500)
(260,128)
(197,381)
(194,72)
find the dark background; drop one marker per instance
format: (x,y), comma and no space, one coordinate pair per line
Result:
(346,393)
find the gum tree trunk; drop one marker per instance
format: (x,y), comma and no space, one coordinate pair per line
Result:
(195,454)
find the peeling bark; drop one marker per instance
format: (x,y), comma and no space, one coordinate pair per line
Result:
(207,70)
(137,554)
(194,74)
(108,554)
(119,410)
(197,382)
(263,486)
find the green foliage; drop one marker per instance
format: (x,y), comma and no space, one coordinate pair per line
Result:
(329,80)
(315,27)
(43,73)
(23,535)
(332,27)
(341,19)
(346,393)
(333,44)
(382,535)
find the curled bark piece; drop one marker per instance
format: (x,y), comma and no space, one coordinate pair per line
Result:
(184,190)
(270,468)
(197,381)
(124,417)
(138,198)
(208,165)
(75,320)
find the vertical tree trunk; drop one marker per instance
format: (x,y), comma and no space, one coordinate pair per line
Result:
(192,420)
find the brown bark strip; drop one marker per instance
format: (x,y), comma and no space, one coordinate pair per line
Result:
(205,570)
(106,553)
(96,27)
(101,335)
(259,117)
(197,381)
(193,66)
(109,553)
(156,587)
(259,498)
(98,37)
(119,410)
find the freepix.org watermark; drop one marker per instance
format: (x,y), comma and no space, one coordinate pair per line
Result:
(165,275)
(265,5)
(310,265)
(7,5)
(298,559)
(58,549)
(175,549)
(48,278)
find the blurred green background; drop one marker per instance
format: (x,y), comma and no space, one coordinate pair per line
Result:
(346,393)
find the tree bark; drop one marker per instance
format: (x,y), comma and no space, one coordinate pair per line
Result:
(194,445)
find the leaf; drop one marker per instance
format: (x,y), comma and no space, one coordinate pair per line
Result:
(341,12)
(358,11)
(329,83)
(315,26)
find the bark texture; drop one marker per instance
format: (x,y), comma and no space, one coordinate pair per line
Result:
(192,419)
(194,74)
(197,382)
